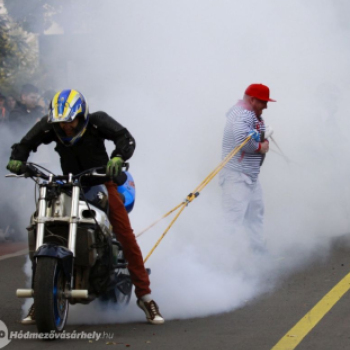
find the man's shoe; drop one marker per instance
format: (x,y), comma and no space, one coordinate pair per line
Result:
(30,319)
(151,310)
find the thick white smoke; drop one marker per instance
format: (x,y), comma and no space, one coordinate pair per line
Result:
(169,71)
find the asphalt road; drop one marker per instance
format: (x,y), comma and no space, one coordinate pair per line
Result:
(258,325)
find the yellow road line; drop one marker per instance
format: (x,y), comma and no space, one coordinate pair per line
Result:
(296,334)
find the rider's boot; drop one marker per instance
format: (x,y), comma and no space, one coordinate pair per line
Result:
(30,319)
(151,310)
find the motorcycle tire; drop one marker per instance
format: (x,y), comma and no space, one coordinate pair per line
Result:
(51,307)
(119,296)
(123,289)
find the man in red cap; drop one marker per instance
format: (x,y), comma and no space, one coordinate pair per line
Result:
(242,194)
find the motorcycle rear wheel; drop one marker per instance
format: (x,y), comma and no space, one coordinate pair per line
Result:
(51,306)
(123,289)
(118,296)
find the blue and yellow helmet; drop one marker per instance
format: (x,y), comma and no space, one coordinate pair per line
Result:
(66,106)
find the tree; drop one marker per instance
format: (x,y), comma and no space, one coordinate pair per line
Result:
(19,31)
(34,16)
(18,55)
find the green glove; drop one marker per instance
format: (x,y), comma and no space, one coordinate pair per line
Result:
(15,166)
(114,166)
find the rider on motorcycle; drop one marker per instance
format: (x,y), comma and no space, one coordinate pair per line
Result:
(79,137)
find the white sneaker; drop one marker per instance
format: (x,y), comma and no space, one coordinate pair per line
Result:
(151,310)
(30,319)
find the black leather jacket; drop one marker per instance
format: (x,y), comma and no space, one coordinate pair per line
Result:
(88,152)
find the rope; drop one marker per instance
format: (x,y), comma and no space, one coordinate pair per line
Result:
(183,205)
(191,196)
(156,222)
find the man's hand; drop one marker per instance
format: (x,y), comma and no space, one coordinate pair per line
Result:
(255,135)
(114,166)
(15,166)
(264,147)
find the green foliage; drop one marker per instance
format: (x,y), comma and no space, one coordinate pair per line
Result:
(18,56)
(26,19)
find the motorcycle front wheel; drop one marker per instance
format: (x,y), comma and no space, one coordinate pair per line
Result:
(51,306)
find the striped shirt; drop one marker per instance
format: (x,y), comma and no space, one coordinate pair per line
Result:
(241,121)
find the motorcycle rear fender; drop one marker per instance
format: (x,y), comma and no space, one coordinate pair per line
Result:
(61,253)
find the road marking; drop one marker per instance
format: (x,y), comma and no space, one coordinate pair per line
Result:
(296,334)
(20,252)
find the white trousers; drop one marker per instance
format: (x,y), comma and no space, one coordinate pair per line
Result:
(243,207)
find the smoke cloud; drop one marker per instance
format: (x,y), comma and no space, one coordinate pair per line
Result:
(169,71)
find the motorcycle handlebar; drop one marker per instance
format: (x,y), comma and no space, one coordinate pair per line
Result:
(94,175)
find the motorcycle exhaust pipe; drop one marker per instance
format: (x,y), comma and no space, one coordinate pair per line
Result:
(25,293)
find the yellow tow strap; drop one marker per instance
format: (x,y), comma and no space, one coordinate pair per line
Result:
(192,196)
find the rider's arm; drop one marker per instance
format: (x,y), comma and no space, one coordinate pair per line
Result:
(41,132)
(110,129)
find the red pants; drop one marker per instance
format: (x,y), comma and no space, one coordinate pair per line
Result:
(119,219)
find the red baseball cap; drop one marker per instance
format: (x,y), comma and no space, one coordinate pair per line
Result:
(259,91)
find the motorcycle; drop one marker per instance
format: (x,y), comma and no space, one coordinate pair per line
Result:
(75,256)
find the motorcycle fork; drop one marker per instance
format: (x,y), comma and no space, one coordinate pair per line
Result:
(74,219)
(73,223)
(42,206)
(64,254)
